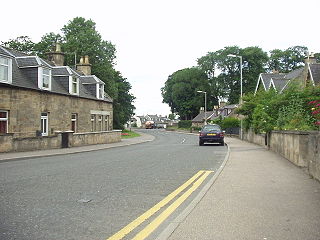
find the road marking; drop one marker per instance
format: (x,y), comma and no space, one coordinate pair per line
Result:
(135,223)
(166,213)
(183,140)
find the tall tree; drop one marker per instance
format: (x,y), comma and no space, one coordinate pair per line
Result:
(227,83)
(180,92)
(288,59)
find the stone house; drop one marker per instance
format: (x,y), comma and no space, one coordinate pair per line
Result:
(307,75)
(41,98)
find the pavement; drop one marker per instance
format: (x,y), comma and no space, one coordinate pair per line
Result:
(257,194)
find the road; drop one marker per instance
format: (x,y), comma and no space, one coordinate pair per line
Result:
(93,195)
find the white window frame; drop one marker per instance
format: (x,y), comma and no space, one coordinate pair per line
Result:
(9,67)
(73,80)
(44,122)
(93,122)
(74,118)
(41,77)
(6,119)
(100,123)
(106,123)
(100,91)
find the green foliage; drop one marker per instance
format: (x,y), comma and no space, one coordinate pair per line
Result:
(22,43)
(227,83)
(267,111)
(184,124)
(180,92)
(229,122)
(287,60)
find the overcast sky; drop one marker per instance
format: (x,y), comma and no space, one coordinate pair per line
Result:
(156,38)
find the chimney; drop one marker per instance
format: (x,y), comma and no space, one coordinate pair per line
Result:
(310,59)
(56,56)
(275,71)
(84,65)
(201,110)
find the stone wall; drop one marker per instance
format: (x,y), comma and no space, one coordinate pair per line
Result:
(299,147)
(80,139)
(10,144)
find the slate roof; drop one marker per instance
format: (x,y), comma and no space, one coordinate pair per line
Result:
(211,115)
(279,83)
(25,75)
(27,62)
(315,72)
(91,79)
(266,78)
(294,74)
(60,71)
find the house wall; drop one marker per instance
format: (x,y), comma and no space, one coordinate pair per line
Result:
(25,107)
(301,148)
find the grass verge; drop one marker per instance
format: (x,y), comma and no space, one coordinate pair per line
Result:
(129,134)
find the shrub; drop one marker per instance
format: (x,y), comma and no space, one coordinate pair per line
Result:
(184,124)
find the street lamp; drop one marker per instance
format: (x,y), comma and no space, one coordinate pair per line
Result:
(232,55)
(205,106)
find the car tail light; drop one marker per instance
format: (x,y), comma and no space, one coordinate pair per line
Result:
(221,134)
(202,134)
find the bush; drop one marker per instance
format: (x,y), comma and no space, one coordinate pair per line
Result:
(184,124)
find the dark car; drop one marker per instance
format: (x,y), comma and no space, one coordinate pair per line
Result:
(211,133)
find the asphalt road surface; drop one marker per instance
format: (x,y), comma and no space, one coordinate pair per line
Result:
(95,194)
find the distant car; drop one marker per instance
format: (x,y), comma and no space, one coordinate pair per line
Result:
(211,133)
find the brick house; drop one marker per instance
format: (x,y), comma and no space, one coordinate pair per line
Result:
(41,98)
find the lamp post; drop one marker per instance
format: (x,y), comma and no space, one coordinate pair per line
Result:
(205,106)
(232,55)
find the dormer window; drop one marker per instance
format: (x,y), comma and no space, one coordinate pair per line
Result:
(100,91)
(45,78)
(5,70)
(74,85)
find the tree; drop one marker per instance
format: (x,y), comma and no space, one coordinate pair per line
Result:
(22,43)
(227,83)
(287,60)
(180,92)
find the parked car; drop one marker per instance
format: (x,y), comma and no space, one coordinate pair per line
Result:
(211,133)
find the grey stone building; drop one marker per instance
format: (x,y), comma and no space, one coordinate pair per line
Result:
(304,76)
(40,98)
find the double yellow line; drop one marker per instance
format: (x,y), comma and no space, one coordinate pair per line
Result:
(197,179)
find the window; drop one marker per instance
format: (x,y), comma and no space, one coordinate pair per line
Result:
(106,124)
(100,123)
(44,124)
(100,91)
(46,77)
(93,122)
(3,121)
(74,122)
(74,86)
(5,70)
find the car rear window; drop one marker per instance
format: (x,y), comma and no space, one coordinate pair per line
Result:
(211,128)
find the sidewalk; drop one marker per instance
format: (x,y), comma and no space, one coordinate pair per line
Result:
(61,151)
(258,195)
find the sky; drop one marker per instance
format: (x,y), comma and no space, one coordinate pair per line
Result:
(156,38)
